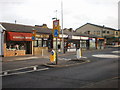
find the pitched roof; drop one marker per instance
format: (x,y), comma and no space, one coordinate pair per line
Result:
(97,26)
(24,28)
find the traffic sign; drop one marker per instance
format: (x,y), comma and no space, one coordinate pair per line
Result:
(56,33)
(33,34)
(56,28)
(33,38)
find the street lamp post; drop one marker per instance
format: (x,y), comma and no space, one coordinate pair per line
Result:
(62,27)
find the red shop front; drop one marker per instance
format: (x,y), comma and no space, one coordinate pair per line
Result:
(18,44)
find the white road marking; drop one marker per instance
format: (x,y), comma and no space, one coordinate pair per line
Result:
(115,51)
(106,56)
(64,59)
(26,72)
(26,58)
(20,68)
(84,57)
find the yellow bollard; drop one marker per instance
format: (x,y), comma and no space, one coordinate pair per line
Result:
(53,56)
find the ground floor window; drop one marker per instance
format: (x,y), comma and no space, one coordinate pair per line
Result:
(19,45)
(83,43)
(40,43)
(15,45)
(44,43)
(92,43)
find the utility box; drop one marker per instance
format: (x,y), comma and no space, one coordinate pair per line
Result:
(53,56)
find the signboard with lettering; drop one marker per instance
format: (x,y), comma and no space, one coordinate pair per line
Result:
(15,36)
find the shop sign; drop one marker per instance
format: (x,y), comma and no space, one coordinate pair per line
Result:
(38,39)
(55,39)
(45,39)
(15,36)
(100,38)
(93,39)
(75,37)
(65,36)
(84,38)
(42,36)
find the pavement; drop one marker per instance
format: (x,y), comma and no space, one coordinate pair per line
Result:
(27,63)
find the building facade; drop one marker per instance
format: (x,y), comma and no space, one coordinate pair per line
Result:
(111,35)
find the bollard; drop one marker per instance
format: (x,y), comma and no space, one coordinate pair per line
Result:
(53,56)
(34,68)
(79,53)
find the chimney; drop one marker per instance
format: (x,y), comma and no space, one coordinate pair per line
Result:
(71,30)
(42,26)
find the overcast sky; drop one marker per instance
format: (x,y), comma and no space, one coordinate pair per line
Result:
(75,12)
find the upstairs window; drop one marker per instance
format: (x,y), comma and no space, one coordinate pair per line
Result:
(108,32)
(88,32)
(116,33)
(98,32)
(104,32)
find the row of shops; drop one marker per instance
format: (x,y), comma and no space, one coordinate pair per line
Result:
(20,42)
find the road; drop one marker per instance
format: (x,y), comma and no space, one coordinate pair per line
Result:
(100,70)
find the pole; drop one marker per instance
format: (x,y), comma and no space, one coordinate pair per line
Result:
(56,52)
(102,31)
(62,26)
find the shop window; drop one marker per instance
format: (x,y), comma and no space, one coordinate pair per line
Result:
(35,43)
(39,43)
(82,44)
(15,46)
(44,43)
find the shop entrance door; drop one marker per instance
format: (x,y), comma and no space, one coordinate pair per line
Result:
(28,47)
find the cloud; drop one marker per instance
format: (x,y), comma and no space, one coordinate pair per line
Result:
(76,12)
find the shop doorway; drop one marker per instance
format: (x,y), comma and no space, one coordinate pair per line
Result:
(28,47)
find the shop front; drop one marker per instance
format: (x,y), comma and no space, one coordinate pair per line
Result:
(100,43)
(40,45)
(73,43)
(92,43)
(17,44)
(84,42)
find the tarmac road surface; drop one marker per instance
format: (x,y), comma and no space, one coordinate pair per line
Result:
(101,72)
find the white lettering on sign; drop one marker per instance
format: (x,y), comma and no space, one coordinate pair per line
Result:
(19,37)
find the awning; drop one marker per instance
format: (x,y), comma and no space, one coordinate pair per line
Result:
(17,36)
(100,38)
